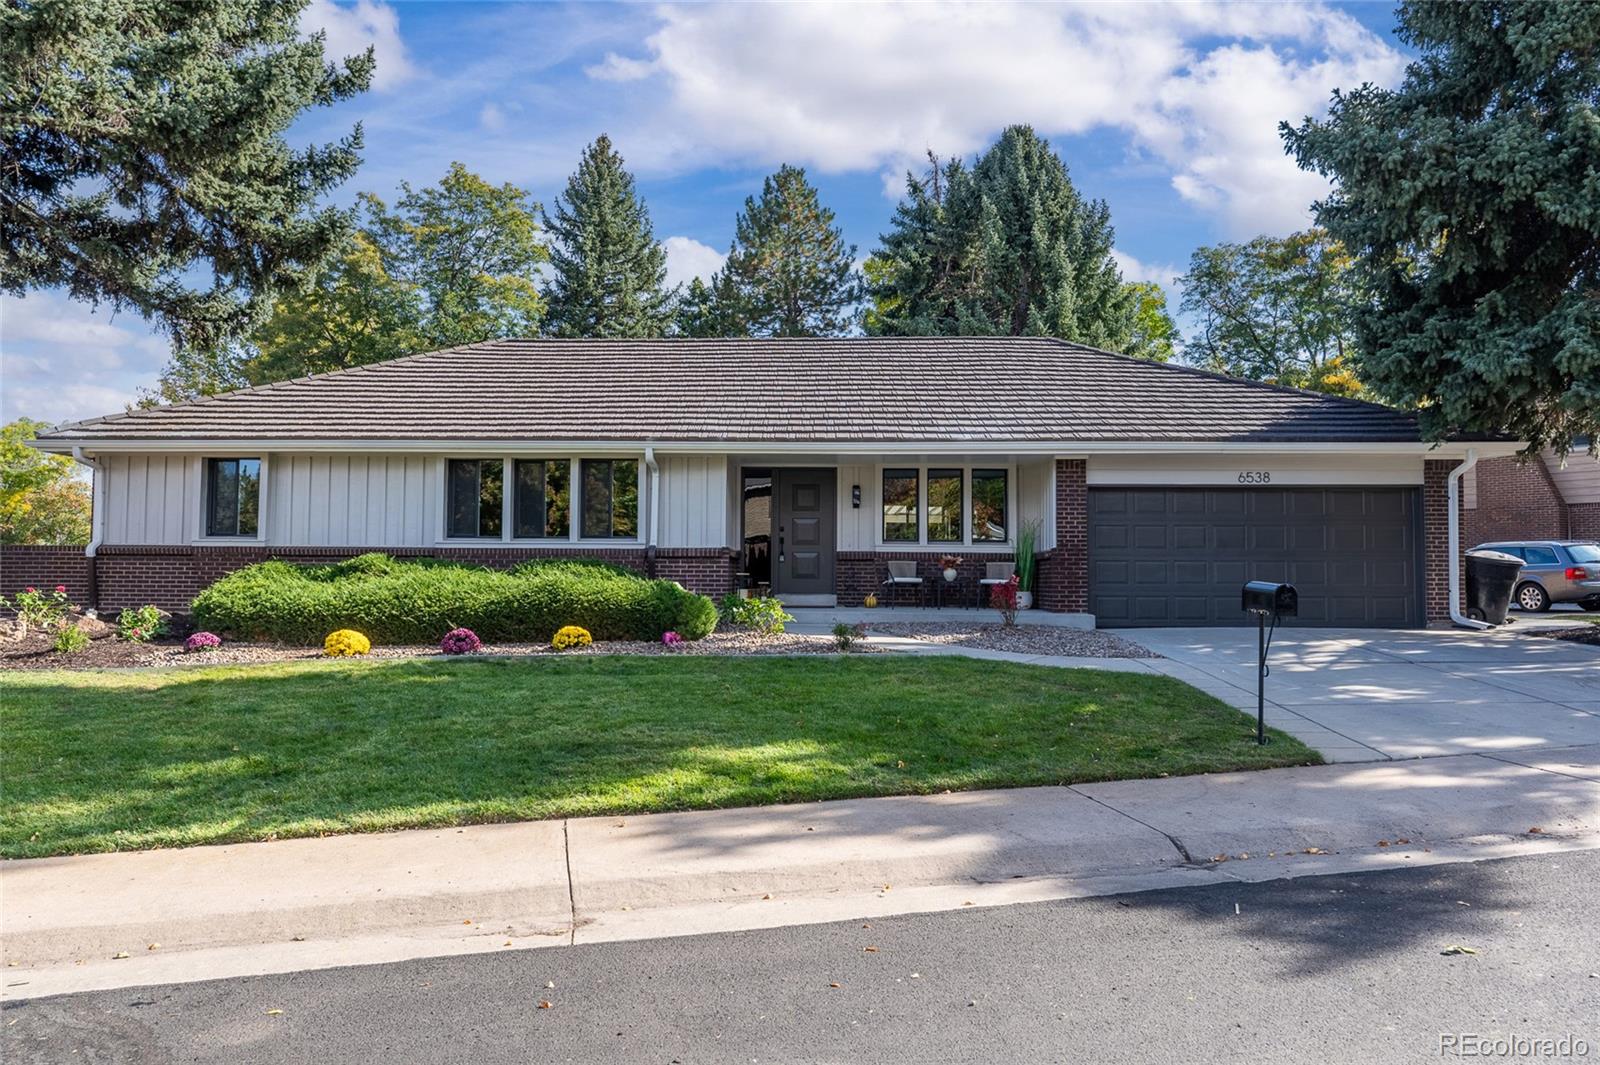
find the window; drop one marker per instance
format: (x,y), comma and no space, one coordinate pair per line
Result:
(988,506)
(233,496)
(476,488)
(610,499)
(899,506)
(543,499)
(1584,552)
(1540,556)
(944,506)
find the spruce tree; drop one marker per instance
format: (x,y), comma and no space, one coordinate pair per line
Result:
(1005,247)
(146,159)
(1469,199)
(609,273)
(789,272)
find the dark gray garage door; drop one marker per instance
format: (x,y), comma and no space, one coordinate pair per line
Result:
(1178,556)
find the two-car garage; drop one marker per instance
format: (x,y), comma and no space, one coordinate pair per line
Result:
(1163,555)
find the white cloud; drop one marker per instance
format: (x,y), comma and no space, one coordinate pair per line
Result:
(1134,270)
(491,117)
(1198,87)
(352,29)
(62,360)
(688,259)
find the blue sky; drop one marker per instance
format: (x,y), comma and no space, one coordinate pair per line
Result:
(1167,111)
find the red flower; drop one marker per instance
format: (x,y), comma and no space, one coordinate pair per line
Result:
(61,588)
(31,588)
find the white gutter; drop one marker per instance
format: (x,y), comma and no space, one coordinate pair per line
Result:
(1453,508)
(655,492)
(97,507)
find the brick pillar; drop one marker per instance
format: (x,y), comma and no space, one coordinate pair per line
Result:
(1436,538)
(1063,580)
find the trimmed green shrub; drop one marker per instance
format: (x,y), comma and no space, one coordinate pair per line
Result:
(395,601)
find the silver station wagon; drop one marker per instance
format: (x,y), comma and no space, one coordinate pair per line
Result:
(1553,571)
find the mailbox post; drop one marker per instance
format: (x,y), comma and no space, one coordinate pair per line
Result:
(1265,599)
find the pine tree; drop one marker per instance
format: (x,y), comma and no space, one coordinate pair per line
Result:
(609,273)
(711,310)
(1469,199)
(789,272)
(1006,247)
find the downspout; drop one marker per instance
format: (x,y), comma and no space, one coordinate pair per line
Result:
(655,509)
(97,522)
(1453,508)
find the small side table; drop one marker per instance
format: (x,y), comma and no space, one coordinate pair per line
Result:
(943,589)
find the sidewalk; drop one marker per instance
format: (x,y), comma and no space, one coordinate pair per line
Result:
(301,904)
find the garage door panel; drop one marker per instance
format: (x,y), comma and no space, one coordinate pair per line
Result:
(1179,555)
(1228,538)
(1150,537)
(1109,535)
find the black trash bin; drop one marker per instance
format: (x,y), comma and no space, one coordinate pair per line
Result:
(1491,575)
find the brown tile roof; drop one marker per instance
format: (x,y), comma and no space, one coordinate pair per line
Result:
(815,390)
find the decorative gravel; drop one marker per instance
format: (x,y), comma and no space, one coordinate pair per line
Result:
(121,654)
(1589,634)
(1020,639)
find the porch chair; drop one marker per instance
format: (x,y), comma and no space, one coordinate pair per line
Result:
(902,575)
(993,573)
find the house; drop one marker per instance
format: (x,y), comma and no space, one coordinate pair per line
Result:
(799,464)
(1541,498)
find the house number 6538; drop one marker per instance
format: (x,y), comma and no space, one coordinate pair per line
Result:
(1255,477)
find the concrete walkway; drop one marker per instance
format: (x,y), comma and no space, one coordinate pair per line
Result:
(117,920)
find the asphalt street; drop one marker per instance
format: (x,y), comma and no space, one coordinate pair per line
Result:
(1352,968)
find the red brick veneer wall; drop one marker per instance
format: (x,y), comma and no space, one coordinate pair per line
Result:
(171,576)
(1583,521)
(858,574)
(1516,501)
(32,565)
(1062,583)
(1436,538)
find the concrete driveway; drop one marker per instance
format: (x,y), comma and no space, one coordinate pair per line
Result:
(1361,694)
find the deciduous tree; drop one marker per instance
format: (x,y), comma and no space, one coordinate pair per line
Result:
(1274,309)
(42,501)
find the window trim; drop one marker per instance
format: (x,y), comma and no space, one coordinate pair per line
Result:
(505,497)
(966,543)
(203,494)
(509,525)
(640,508)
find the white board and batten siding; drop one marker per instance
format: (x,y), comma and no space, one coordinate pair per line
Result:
(697,508)
(151,499)
(1578,480)
(354,500)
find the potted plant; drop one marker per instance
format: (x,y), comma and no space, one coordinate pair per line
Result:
(951,564)
(1027,536)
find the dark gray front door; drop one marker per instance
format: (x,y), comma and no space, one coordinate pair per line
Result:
(1178,556)
(803,531)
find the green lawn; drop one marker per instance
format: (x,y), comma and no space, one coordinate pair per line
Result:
(116,761)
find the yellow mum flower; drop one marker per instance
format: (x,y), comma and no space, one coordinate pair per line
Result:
(571,636)
(346,642)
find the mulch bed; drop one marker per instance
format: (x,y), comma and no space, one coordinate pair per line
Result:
(34,651)
(1019,639)
(1589,634)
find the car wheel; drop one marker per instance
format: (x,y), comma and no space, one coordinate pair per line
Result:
(1533,597)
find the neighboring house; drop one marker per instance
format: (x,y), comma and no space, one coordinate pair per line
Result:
(1541,498)
(803,464)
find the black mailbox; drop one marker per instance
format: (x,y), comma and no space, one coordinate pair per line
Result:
(1266,597)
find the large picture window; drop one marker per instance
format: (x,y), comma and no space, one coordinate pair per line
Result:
(610,499)
(477,495)
(233,497)
(988,506)
(542,503)
(900,506)
(944,506)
